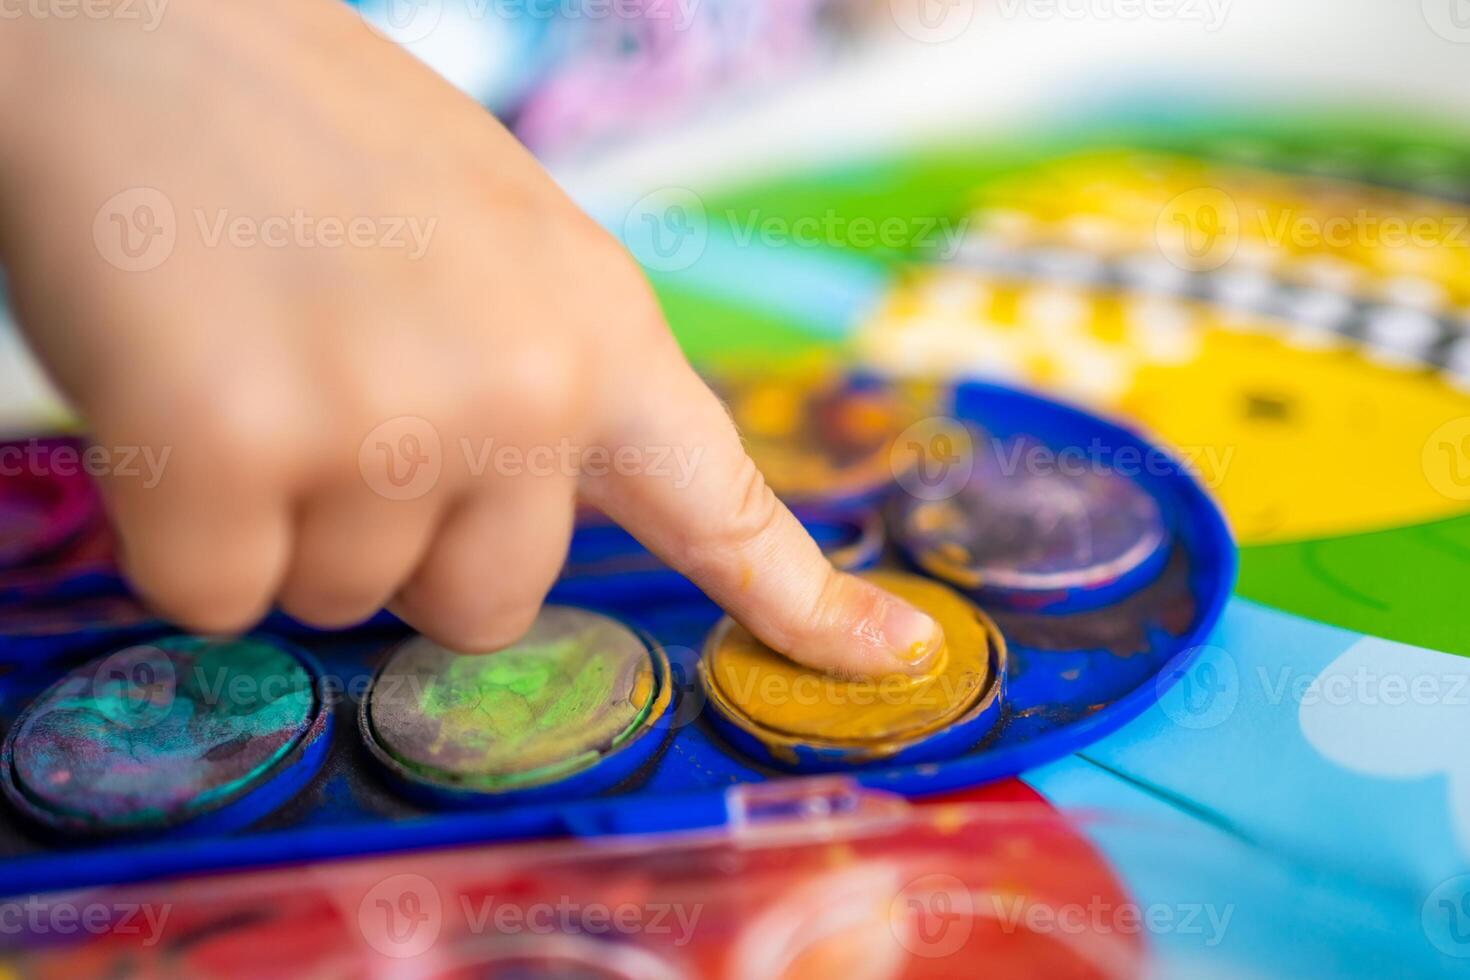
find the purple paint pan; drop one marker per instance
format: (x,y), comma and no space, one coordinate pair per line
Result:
(1038,529)
(46,499)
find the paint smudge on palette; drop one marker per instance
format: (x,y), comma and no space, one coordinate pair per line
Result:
(1107,651)
(1120,629)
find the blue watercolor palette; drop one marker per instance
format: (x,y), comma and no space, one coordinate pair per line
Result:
(1072,676)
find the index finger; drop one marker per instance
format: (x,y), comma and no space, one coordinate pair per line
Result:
(713,518)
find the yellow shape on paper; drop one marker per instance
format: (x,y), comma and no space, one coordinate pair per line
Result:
(1296,441)
(1301,443)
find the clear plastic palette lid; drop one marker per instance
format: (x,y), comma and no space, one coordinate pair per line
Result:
(810,878)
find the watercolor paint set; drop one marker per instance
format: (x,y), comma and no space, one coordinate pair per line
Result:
(1075,567)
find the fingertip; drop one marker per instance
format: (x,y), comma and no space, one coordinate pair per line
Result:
(738,542)
(326,613)
(884,634)
(855,629)
(470,637)
(203,594)
(913,637)
(480,587)
(208,614)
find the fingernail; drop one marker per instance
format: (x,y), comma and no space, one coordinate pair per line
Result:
(913,636)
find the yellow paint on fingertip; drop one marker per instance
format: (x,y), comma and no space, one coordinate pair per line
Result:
(782,701)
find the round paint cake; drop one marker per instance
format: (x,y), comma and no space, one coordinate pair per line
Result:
(572,691)
(782,703)
(1033,528)
(154,735)
(817,436)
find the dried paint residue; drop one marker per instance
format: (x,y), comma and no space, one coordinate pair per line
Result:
(160,731)
(571,690)
(776,696)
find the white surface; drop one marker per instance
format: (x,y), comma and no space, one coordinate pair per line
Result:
(1018,67)
(28,401)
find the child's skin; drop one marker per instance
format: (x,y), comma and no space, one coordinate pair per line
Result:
(266,370)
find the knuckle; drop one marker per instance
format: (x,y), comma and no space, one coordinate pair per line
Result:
(362,404)
(751,516)
(239,431)
(623,291)
(385,375)
(845,600)
(598,249)
(641,319)
(224,439)
(756,509)
(538,385)
(806,623)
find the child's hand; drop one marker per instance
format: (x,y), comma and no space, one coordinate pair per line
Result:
(345,301)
